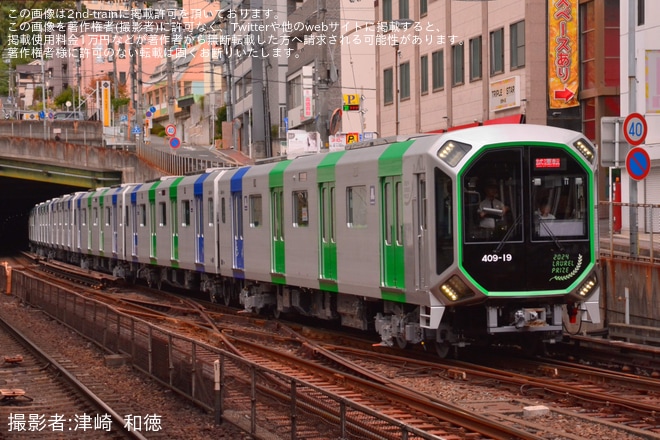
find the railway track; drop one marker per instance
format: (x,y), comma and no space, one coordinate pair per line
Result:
(42,398)
(340,374)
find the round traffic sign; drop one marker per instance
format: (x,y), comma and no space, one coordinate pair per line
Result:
(175,143)
(635,129)
(638,163)
(170,130)
(148,114)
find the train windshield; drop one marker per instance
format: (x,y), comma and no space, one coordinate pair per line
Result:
(524,194)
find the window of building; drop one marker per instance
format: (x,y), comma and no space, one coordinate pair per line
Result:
(475,58)
(387,10)
(295,92)
(300,209)
(438,70)
(423,8)
(424,74)
(404,81)
(356,209)
(518,45)
(388,86)
(640,12)
(458,65)
(404,7)
(497,51)
(255,210)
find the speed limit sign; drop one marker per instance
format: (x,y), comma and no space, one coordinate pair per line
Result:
(635,129)
(170,130)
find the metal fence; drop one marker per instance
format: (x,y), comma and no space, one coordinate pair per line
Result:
(630,231)
(242,392)
(176,165)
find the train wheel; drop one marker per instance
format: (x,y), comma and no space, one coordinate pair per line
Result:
(443,349)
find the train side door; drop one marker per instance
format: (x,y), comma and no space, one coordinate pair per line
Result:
(237,228)
(392,262)
(328,263)
(420,225)
(199,229)
(277,264)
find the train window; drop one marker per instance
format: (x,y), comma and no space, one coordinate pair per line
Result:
(223,211)
(444,236)
(185,212)
(96,216)
(162,209)
(300,209)
(210,210)
(255,210)
(107,216)
(143,215)
(83,217)
(356,209)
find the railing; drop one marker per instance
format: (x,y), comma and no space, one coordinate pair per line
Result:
(175,165)
(246,394)
(617,238)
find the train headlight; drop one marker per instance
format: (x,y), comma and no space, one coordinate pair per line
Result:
(455,289)
(585,149)
(588,286)
(452,152)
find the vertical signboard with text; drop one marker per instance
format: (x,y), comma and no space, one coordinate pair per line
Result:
(563,62)
(106,105)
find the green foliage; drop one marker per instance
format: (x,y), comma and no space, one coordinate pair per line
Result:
(119,102)
(68,94)
(158,130)
(221,116)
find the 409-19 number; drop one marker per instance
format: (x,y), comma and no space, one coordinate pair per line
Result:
(496,258)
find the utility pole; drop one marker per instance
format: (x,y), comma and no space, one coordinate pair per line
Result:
(43,90)
(170,73)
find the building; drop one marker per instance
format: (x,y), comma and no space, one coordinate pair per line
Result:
(446,65)
(331,79)
(640,50)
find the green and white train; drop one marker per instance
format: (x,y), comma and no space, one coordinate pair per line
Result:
(388,235)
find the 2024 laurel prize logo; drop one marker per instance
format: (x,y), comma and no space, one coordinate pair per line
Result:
(562,265)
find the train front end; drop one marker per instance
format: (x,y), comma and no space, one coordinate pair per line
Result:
(526,232)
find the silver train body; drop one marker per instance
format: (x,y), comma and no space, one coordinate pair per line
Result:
(385,236)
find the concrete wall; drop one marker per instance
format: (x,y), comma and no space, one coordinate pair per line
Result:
(641,279)
(81,156)
(82,132)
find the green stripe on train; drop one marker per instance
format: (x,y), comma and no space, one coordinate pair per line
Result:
(325,177)
(277,247)
(392,251)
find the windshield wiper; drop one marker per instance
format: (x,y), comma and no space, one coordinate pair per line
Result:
(551,235)
(508,234)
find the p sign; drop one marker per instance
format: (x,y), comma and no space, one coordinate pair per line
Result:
(635,129)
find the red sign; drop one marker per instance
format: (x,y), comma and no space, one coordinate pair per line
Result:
(170,130)
(635,129)
(175,143)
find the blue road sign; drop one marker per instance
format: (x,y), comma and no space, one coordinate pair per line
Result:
(175,143)
(42,114)
(152,109)
(123,118)
(136,130)
(638,163)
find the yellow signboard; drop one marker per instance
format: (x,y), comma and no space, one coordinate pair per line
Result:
(563,62)
(105,103)
(351,102)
